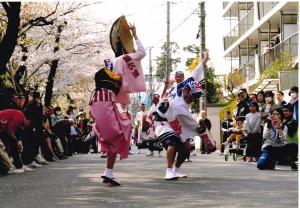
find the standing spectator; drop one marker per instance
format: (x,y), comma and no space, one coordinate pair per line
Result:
(140,135)
(34,137)
(253,97)
(204,123)
(280,99)
(268,107)
(254,140)
(243,105)
(294,101)
(153,139)
(261,99)
(275,147)
(291,123)
(226,125)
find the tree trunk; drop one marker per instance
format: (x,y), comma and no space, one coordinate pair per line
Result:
(9,40)
(53,68)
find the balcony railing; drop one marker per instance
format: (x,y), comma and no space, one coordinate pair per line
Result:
(289,45)
(244,74)
(265,7)
(240,29)
(225,3)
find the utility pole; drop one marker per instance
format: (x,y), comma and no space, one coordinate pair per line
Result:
(150,73)
(203,99)
(168,43)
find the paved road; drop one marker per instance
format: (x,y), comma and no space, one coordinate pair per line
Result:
(212,182)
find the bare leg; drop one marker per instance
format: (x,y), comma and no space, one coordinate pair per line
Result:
(171,152)
(180,158)
(111,159)
(49,145)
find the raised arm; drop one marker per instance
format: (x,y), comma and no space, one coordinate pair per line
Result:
(140,48)
(198,73)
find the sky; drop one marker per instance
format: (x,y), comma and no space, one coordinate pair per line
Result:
(150,18)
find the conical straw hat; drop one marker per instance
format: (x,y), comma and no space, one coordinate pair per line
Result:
(121,39)
(126,36)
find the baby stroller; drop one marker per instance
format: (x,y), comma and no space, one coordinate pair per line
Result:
(232,149)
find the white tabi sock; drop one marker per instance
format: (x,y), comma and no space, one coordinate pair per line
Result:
(109,173)
(176,169)
(169,170)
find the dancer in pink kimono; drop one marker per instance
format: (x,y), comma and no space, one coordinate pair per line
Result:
(120,77)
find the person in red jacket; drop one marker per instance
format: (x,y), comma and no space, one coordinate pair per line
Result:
(10,122)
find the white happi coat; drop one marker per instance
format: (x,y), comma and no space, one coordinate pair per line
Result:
(197,75)
(179,119)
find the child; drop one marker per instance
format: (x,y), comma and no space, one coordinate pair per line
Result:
(237,132)
(254,139)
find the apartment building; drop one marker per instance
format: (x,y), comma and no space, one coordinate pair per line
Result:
(258,33)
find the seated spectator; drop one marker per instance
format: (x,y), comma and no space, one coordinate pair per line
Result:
(73,142)
(291,123)
(71,114)
(254,140)
(275,147)
(280,99)
(294,102)
(61,129)
(56,116)
(52,141)
(237,132)
(56,143)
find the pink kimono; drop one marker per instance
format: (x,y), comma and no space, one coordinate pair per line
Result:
(112,127)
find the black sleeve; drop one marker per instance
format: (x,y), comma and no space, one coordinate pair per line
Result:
(224,126)
(292,128)
(208,124)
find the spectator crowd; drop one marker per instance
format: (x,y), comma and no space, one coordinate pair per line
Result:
(33,135)
(267,124)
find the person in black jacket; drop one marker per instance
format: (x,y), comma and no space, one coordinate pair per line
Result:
(280,102)
(243,105)
(33,135)
(204,123)
(226,125)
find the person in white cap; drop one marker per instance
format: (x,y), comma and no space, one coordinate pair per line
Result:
(174,123)
(197,76)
